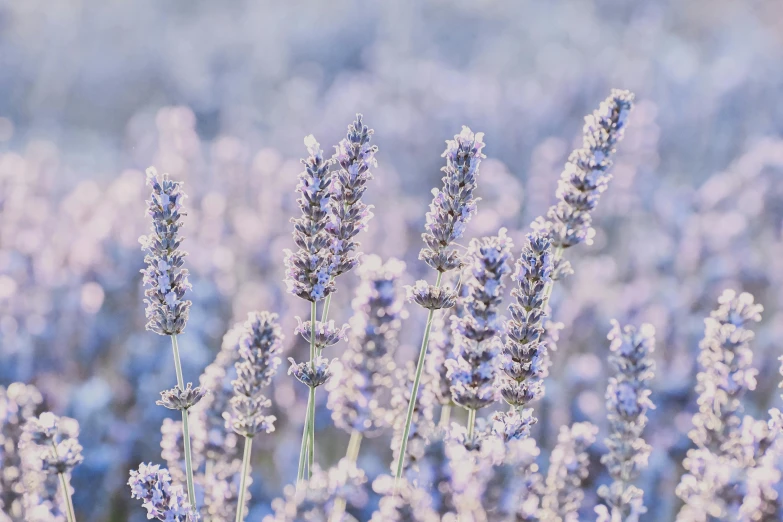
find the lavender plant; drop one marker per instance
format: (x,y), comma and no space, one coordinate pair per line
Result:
(152,485)
(53,444)
(627,403)
(450,211)
(167,309)
(259,344)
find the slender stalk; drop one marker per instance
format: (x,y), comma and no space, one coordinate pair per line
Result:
(351,454)
(311,400)
(548,290)
(305,440)
(445,416)
(415,390)
(185,430)
(243,481)
(471,422)
(69,511)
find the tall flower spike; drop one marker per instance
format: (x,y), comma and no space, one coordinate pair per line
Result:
(627,402)
(350,214)
(259,347)
(568,468)
(364,376)
(167,309)
(152,484)
(453,205)
(586,174)
(524,357)
(309,270)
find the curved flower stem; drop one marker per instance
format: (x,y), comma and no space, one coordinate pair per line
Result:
(351,454)
(243,480)
(471,423)
(185,430)
(415,391)
(305,441)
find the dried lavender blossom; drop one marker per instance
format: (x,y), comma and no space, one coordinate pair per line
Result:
(627,402)
(179,399)
(349,214)
(326,334)
(167,310)
(568,468)
(431,297)
(309,270)
(152,484)
(259,344)
(359,393)
(524,358)
(315,502)
(55,442)
(489,262)
(586,174)
(453,205)
(311,373)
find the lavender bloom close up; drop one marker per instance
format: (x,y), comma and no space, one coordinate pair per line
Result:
(429,296)
(311,373)
(152,484)
(326,334)
(309,270)
(359,393)
(167,309)
(259,345)
(349,214)
(627,403)
(453,205)
(179,399)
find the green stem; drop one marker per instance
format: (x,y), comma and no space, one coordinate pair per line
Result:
(303,451)
(243,480)
(185,431)
(311,439)
(471,423)
(445,416)
(415,391)
(69,512)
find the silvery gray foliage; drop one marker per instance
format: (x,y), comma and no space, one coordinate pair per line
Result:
(586,175)
(359,394)
(627,403)
(179,399)
(568,468)
(524,359)
(314,501)
(53,442)
(728,446)
(166,281)
(453,205)
(349,214)
(326,334)
(259,345)
(311,373)
(429,296)
(152,485)
(309,270)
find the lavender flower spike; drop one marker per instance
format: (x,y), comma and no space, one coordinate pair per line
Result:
(56,450)
(350,214)
(586,174)
(453,205)
(309,270)
(627,402)
(152,484)
(167,282)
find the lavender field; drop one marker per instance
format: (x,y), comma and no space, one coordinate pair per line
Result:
(430,261)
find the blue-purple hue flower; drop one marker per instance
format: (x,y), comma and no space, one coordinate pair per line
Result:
(152,484)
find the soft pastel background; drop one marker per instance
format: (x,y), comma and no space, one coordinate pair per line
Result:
(220,94)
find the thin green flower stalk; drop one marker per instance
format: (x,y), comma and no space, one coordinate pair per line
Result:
(450,211)
(259,344)
(167,282)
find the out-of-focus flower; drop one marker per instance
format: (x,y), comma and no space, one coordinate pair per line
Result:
(55,441)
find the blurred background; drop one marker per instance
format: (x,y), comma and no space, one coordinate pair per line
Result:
(221,94)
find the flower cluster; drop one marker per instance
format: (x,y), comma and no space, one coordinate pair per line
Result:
(167,309)
(524,357)
(312,373)
(453,205)
(349,214)
(179,399)
(56,442)
(364,375)
(259,346)
(429,296)
(152,484)
(309,270)
(627,403)
(326,334)
(586,174)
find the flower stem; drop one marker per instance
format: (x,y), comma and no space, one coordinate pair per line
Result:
(351,454)
(548,289)
(471,423)
(69,512)
(303,451)
(415,390)
(243,480)
(185,430)
(311,400)
(445,416)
